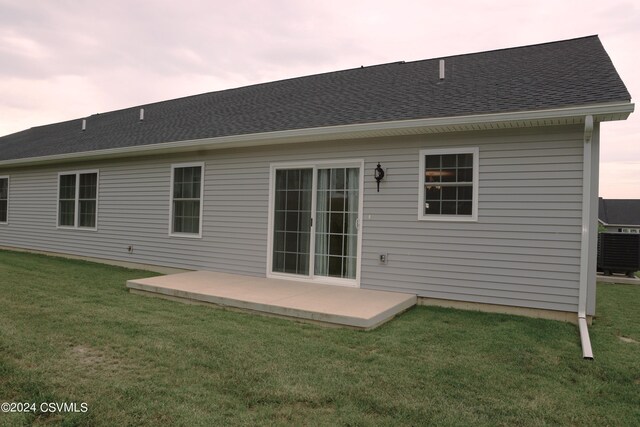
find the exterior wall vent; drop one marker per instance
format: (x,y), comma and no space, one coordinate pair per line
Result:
(141,114)
(442,69)
(84,124)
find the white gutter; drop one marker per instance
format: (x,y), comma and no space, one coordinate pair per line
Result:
(587,353)
(575,115)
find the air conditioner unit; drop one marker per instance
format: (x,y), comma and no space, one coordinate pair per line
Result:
(619,253)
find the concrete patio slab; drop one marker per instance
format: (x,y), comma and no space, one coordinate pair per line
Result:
(334,305)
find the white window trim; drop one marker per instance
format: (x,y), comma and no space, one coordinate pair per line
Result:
(77,202)
(8,197)
(421,177)
(187,235)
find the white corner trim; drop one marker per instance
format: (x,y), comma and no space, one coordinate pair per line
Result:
(399,127)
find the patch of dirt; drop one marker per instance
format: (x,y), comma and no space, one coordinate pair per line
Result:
(87,354)
(94,359)
(628,340)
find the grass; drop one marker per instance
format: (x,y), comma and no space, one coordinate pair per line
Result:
(70,332)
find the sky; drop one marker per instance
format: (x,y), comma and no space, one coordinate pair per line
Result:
(62,60)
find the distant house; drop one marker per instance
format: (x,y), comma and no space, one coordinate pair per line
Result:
(489,196)
(619,215)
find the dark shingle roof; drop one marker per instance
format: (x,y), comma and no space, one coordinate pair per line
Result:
(551,75)
(619,211)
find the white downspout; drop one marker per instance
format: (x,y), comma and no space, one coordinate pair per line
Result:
(587,353)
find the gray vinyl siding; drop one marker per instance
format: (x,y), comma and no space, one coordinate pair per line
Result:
(524,250)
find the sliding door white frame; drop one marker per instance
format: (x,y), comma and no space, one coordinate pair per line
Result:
(315,165)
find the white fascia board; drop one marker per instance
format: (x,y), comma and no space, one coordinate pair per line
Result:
(400,127)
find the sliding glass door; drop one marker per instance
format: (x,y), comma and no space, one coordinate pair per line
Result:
(292,221)
(315,221)
(336,233)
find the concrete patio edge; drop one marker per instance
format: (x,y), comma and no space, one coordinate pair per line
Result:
(354,308)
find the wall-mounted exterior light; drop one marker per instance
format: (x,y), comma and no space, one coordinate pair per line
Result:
(378,175)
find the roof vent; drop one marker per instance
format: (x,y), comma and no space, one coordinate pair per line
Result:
(442,69)
(84,124)
(141,114)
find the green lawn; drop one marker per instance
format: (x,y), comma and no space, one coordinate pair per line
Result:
(70,332)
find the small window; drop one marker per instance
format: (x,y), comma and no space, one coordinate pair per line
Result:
(449,184)
(4,199)
(186,199)
(78,199)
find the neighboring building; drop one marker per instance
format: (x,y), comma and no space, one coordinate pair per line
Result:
(489,194)
(619,215)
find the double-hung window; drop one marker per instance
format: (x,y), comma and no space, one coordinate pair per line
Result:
(186,199)
(4,199)
(448,184)
(78,199)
